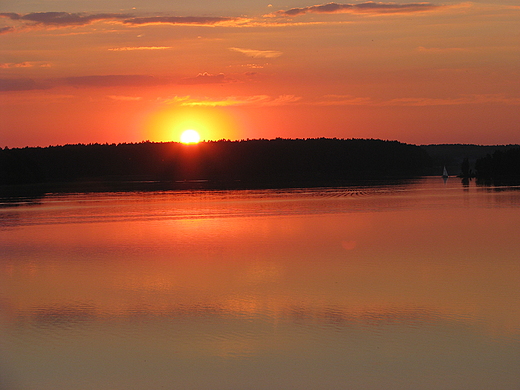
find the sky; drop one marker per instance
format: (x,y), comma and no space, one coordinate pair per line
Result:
(114,71)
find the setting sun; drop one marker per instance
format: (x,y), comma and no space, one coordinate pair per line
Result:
(190,137)
(209,123)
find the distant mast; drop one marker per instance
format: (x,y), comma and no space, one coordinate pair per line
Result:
(445,173)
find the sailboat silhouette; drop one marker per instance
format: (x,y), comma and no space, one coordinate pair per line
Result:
(445,175)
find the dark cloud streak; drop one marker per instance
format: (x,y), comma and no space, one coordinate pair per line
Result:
(106,81)
(95,81)
(111,81)
(367,7)
(10,15)
(23,84)
(66,19)
(63,18)
(5,30)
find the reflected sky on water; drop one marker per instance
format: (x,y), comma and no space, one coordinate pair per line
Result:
(410,286)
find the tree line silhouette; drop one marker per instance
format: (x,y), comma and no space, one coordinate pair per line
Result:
(247,163)
(503,166)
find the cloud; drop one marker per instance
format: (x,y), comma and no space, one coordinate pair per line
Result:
(131,48)
(206,78)
(24,84)
(256,100)
(10,15)
(281,100)
(25,64)
(125,98)
(343,100)
(7,29)
(367,7)
(441,49)
(111,81)
(347,100)
(63,18)
(20,85)
(257,53)
(462,100)
(197,20)
(66,19)
(95,81)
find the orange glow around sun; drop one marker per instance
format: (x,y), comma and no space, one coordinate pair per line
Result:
(209,123)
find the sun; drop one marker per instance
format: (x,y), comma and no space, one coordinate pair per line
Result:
(190,137)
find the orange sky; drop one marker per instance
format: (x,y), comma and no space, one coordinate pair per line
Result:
(89,71)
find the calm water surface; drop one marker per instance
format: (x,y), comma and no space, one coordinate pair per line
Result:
(412,286)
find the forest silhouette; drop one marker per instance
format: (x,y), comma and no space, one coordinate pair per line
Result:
(500,167)
(215,164)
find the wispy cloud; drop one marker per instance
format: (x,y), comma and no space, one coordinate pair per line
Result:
(462,100)
(111,81)
(348,100)
(125,98)
(441,49)
(256,100)
(132,48)
(282,100)
(343,100)
(25,64)
(206,78)
(366,7)
(257,53)
(182,20)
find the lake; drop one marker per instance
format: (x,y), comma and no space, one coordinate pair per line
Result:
(406,286)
